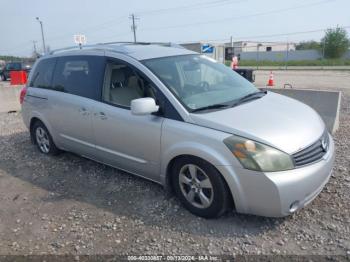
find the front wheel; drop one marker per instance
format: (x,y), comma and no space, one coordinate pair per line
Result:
(200,187)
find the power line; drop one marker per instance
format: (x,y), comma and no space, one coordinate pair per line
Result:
(268,36)
(199,5)
(293,33)
(110,23)
(240,17)
(218,40)
(217,2)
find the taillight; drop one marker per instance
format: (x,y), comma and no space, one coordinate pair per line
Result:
(22,95)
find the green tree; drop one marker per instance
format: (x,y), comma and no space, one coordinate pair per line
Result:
(335,42)
(308,45)
(10,58)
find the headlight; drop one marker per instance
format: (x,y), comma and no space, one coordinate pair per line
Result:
(257,156)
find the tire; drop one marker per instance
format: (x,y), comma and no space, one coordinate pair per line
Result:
(200,187)
(43,140)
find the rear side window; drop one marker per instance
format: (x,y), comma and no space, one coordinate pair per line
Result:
(80,75)
(42,76)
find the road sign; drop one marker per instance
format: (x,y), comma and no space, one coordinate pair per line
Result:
(207,49)
(80,39)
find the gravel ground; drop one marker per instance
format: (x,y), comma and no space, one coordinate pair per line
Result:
(70,205)
(327,80)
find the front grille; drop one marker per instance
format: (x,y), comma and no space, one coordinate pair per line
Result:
(312,153)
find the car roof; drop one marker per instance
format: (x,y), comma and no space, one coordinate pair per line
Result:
(138,51)
(142,52)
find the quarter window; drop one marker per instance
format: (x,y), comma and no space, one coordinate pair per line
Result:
(42,75)
(79,75)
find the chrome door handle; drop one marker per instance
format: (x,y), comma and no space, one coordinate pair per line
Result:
(102,115)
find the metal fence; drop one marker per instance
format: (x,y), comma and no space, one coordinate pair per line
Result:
(281,56)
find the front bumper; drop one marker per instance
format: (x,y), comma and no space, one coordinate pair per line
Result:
(277,194)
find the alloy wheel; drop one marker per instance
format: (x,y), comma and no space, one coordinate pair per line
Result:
(196,186)
(42,138)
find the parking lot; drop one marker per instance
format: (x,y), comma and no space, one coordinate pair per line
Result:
(70,205)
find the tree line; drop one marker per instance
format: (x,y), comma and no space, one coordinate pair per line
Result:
(333,45)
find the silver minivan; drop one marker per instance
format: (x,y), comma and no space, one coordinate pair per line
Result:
(183,120)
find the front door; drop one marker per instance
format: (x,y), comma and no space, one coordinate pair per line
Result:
(125,140)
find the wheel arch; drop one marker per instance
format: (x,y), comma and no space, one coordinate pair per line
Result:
(168,181)
(35,118)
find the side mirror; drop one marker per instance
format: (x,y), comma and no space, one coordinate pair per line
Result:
(143,106)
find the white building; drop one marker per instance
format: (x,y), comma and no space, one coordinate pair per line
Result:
(253,46)
(222,52)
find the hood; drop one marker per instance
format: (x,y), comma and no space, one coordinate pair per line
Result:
(274,119)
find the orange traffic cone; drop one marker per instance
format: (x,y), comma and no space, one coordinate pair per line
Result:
(270,82)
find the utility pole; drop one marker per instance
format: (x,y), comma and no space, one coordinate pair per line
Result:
(257,55)
(42,34)
(323,51)
(133,26)
(287,56)
(34,46)
(323,47)
(35,52)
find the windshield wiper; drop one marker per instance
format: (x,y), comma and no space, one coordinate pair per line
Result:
(241,100)
(249,97)
(216,106)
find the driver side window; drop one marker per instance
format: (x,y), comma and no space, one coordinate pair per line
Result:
(123,84)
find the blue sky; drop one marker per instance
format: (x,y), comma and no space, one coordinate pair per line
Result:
(176,21)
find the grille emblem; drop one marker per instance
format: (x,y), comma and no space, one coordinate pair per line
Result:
(324,144)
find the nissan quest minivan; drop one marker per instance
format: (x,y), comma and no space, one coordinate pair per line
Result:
(182,120)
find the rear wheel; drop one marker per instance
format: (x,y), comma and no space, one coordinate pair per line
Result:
(200,187)
(43,139)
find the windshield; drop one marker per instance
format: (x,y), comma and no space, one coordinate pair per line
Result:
(200,82)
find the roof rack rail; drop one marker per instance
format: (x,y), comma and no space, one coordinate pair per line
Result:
(124,42)
(142,43)
(71,48)
(98,46)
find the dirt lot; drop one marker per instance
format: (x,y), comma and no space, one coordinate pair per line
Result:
(9,97)
(71,205)
(326,80)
